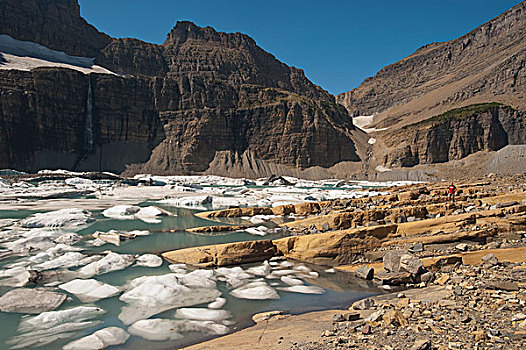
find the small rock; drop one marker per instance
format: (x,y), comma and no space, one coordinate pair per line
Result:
(421,344)
(458,290)
(507,286)
(462,246)
(366,329)
(338,318)
(427,277)
(442,280)
(411,264)
(363,304)
(489,259)
(365,272)
(354,316)
(417,248)
(518,273)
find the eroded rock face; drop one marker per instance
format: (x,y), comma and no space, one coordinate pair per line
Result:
(443,141)
(202,100)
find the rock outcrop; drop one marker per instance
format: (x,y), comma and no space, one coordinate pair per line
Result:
(456,134)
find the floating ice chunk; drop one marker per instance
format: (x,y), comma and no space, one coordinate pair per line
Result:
(331,270)
(255,291)
(156,330)
(4,183)
(235,276)
(261,270)
(314,274)
(217,304)
(151,295)
(278,273)
(149,214)
(285,264)
(256,231)
(111,262)
(291,281)
(198,279)
(163,329)
(303,289)
(30,300)
(70,217)
(79,181)
(196,202)
(201,314)
(302,268)
(52,325)
(69,259)
(149,260)
(99,340)
(68,238)
(178,268)
(35,240)
(89,290)
(371,141)
(121,212)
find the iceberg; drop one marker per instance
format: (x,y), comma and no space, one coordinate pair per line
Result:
(258,290)
(99,340)
(202,314)
(111,262)
(149,260)
(89,290)
(150,295)
(53,325)
(71,217)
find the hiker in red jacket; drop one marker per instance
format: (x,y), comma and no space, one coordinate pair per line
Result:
(451,192)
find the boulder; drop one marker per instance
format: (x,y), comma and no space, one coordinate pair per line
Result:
(411,264)
(518,273)
(223,254)
(392,260)
(365,272)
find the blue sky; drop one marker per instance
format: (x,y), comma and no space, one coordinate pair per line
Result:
(337,43)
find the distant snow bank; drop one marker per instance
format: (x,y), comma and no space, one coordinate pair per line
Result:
(27,55)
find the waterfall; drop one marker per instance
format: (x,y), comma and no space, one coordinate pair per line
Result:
(88,131)
(89,119)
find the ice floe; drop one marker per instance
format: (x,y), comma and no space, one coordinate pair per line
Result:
(111,262)
(150,295)
(53,325)
(130,212)
(303,289)
(99,340)
(70,217)
(89,290)
(163,329)
(201,314)
(149,260)
(258,290)
(30,300)
(217,304)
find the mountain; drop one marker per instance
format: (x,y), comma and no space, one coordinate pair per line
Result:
(448,100)
(202,102)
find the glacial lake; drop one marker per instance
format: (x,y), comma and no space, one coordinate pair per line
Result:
(339,289)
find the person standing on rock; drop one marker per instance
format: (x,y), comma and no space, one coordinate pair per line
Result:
(451,192)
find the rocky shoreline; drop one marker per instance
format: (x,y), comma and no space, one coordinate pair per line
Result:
(457,271)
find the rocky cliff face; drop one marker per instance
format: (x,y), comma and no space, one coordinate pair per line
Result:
(183,107)
(457,134)
(487,64)
(54,23)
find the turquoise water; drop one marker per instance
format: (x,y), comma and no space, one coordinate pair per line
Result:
(341,288)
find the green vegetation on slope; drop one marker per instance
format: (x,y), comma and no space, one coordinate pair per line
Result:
(459,113)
